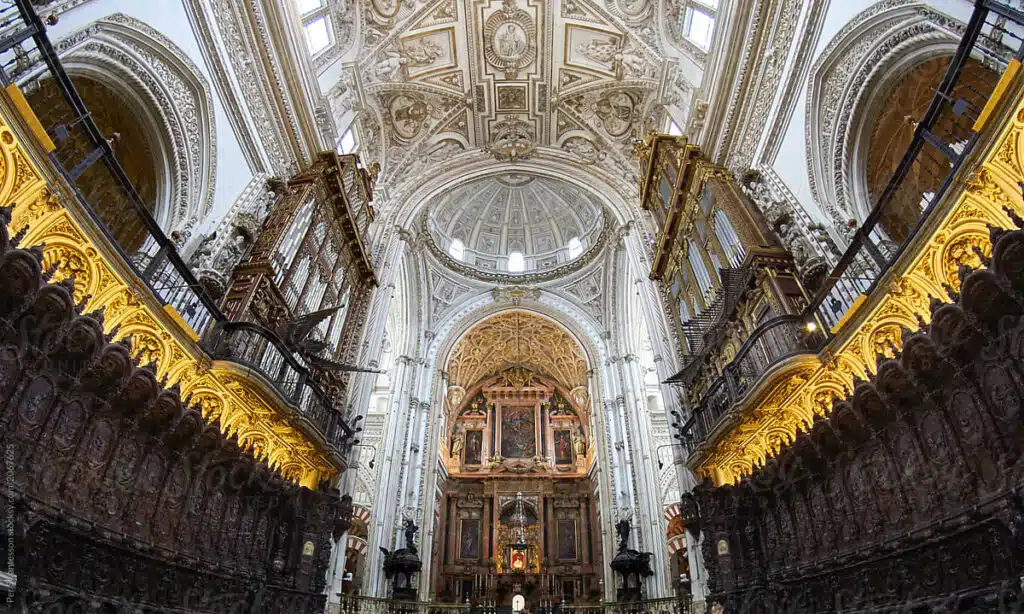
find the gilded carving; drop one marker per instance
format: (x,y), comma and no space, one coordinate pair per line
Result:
(930,265)
(511,339)
(257,417)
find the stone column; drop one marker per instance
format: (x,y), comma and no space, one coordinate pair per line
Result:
(651,517)
(382,524)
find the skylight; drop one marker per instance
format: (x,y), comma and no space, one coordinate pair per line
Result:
(306,6)
(575,248)
(347,144)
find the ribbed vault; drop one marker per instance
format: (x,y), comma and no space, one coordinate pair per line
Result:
(517,338)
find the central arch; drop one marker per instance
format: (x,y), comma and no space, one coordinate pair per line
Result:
(498,364)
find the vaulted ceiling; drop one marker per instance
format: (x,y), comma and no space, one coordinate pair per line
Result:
(517,338)
(443,82)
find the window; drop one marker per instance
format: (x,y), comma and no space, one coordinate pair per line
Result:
(575,248)
(674,129)
(318,37)
(457,249)
(316,23)
(516,262)
(348,142)
(699,24)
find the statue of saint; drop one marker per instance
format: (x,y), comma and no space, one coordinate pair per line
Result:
(410,530)
(458,442)
(579,446)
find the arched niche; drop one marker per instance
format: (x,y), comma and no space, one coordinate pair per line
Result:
(848,86)
(887,132)
(557,433)
(129,132)
(152,103)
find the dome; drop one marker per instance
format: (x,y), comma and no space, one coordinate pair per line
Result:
(515,223)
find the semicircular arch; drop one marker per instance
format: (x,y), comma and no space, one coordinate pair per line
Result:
(168,95)
(865,57)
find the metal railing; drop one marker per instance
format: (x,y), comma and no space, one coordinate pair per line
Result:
(262,351)
(87,161)
(670,605)
(377,605)
(771,343)
(942,141)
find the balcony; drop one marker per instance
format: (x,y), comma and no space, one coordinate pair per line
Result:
(955,176)
(73,198)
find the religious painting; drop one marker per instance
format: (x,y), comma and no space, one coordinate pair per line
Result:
(469,539)
(563,447)
(518,435)
(474,447)
(517,559)
(565,539)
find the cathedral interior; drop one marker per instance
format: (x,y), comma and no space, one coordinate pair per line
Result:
(502,306)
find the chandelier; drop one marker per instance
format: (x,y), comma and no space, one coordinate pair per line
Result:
(517,523)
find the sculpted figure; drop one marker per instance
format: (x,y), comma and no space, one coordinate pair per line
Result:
(458,442)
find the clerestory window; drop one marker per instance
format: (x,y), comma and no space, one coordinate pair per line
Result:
(316,24)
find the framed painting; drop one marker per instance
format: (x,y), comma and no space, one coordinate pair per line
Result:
(518,558)
(469,539)
(518,432)
(565,539)
(474,447)
(563,447)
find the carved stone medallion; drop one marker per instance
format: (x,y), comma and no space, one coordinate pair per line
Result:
(510,39)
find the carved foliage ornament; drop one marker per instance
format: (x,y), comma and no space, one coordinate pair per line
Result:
(919,275)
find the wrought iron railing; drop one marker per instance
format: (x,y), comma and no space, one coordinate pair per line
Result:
(942,141)
(87,162)
(671,605)
(262,351)
(375,605)
(771,343)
